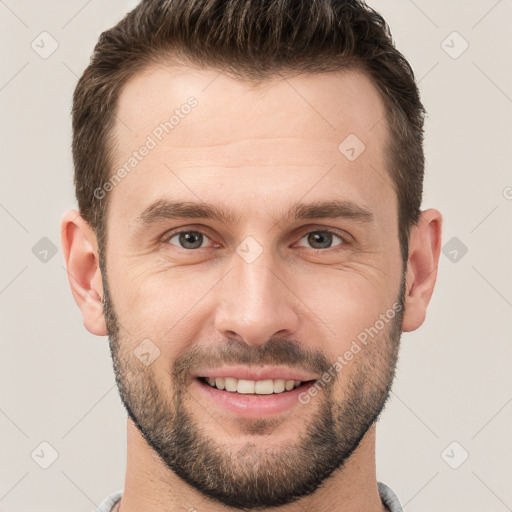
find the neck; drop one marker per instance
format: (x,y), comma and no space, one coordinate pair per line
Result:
(150,485)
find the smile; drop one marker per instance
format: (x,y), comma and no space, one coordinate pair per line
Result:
(250,399)
(257,387)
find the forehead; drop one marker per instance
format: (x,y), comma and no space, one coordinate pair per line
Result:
(326,102)
(256,139)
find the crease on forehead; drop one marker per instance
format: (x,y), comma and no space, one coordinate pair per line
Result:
(136,88)
(148,88)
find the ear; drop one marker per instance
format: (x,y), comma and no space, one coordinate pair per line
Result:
(80,250)
(424,250)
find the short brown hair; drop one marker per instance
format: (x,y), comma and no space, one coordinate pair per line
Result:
(251,40)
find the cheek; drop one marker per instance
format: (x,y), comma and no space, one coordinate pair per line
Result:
(161,305)
(343,304)
(175,306)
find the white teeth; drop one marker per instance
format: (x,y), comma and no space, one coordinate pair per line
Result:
(258,387)
(264,387)
(245,386)
(231,384)
(278,385)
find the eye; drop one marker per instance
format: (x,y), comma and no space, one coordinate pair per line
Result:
(322,239)
(193,239)
(188,239)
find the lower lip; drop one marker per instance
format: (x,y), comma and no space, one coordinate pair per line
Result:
(252,405)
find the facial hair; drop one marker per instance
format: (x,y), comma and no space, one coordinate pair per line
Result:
(250,476)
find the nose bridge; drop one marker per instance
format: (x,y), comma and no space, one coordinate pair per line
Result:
(255,303)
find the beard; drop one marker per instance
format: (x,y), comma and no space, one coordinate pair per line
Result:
(249,475)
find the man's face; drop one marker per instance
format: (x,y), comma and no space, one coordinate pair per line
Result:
(262,294)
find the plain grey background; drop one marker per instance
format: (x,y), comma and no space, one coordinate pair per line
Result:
(444,440)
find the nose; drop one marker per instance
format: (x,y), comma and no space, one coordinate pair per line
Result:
(256,302)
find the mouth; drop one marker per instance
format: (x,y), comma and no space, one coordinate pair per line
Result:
(251,398)
(252,387)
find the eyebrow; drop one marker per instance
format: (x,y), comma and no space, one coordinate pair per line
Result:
(163,209)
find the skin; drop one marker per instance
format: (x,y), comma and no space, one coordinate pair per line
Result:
(255,150)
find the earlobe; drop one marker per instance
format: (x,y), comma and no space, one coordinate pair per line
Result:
(424,250)
(80,251)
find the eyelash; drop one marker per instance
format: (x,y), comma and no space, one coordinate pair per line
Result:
(344,239)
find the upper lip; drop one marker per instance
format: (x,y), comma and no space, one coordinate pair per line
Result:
(247,373)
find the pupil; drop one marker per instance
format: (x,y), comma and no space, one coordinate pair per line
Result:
(187,239)
(320,237)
